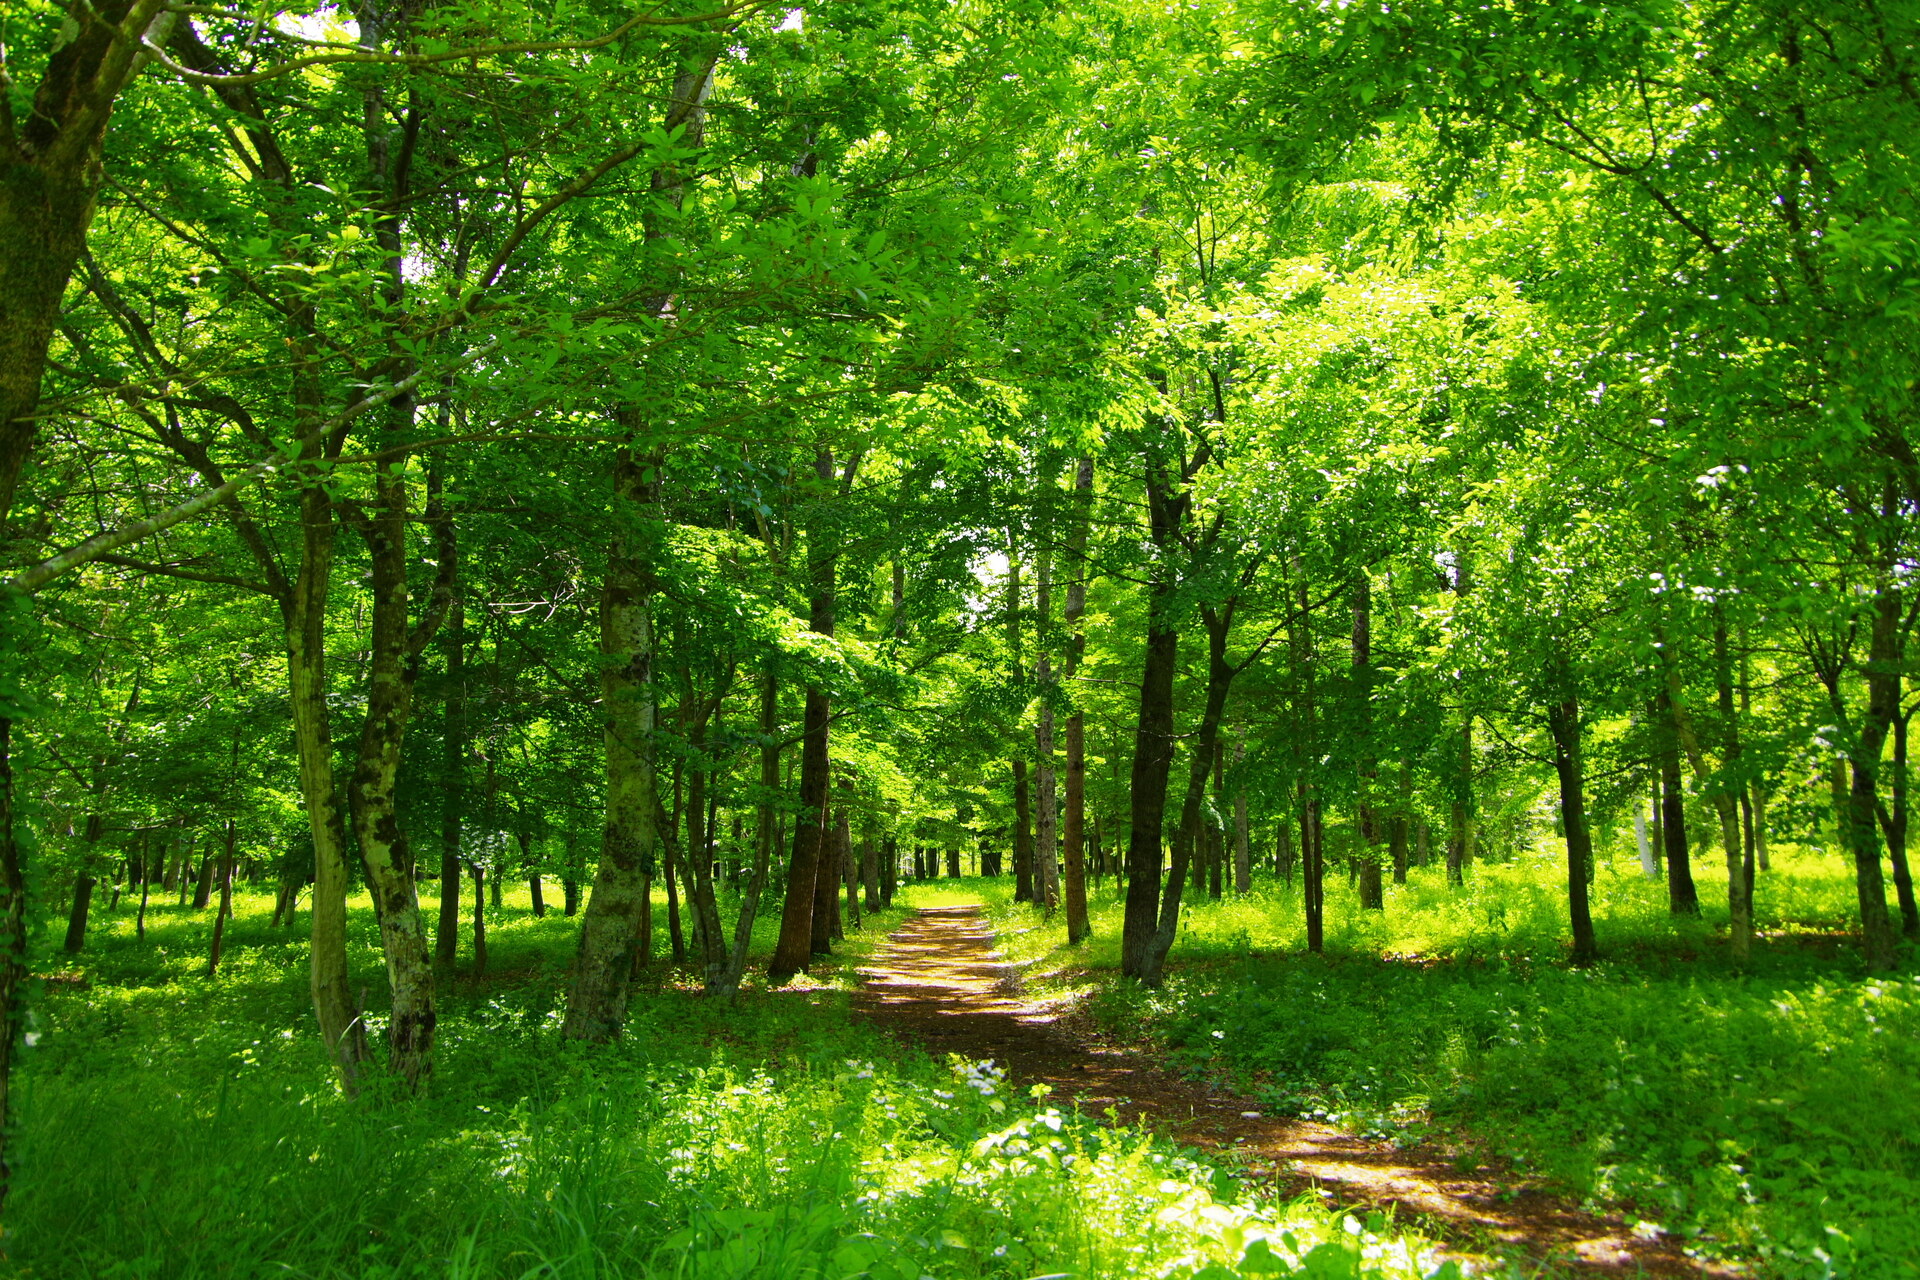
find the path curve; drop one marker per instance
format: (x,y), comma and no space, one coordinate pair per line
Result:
(937,981)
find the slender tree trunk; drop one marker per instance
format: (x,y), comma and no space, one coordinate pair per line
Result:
(453,798)
(889,870)
(1728,801)
(1372,893)
(849,872)
(1312,856)
(1563,721)
(1682,898)
(1242,834)
(619,911)
(341,1029)
(1219,625)
(870,873)
(826,888)
(1397,831)
(710,941)
(146,883)
(479,918)
(1152,763)
(801,935)
(1072,838)
(536,891)
(13,942)
(226,902)
(1313,872)
(1214,824)
(1153,744)
(1459,812)
(676,939)
(765,840)
(1863,836)
(83,885)
(393,667)
(1023,888)
(203,880)
(1649,861)
(1894,824)
(1046,852)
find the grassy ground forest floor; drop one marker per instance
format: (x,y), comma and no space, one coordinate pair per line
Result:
(1772,1115)
(177,1126)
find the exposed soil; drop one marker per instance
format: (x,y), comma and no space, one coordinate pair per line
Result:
(938,981)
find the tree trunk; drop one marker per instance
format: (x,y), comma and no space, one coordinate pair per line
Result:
(1728,801)
(203,880)
(1398,825)
(1649,862)
(849,872)
(1459,811)
(889,870)
(1219,625)
(341,1029)
(766,839)
(1215,825)
(226,901)
(1023,878)
(870,873)
(1153,741)
(534,890)
(1563,721)
(1894,824)
(453,780)
(1863,836)
(1372,893)
(392,667)
(617,913)
(1682,898)
(676,940)
(1242,834)
(146,883)
(1046,849)
(50,176)
(801,934)
(479,918)
(83,885)
(1313,872)
(826,888)
(1312,855)
(13,944)
(1072,836)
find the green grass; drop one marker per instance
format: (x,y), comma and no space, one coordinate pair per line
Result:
(1771,1114)
(177,1126)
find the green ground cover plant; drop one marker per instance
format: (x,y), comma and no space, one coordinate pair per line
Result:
(177,1126)
(1769,1113)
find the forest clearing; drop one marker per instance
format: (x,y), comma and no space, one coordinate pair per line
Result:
(958,638)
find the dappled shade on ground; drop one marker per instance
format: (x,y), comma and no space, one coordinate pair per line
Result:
(938,981)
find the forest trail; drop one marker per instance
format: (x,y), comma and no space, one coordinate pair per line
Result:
(937,980)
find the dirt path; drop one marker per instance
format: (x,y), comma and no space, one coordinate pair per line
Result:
(938,981)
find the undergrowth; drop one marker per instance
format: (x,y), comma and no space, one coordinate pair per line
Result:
(1769,1114)
(177,1126)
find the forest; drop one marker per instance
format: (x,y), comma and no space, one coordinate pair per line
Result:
(726,638)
